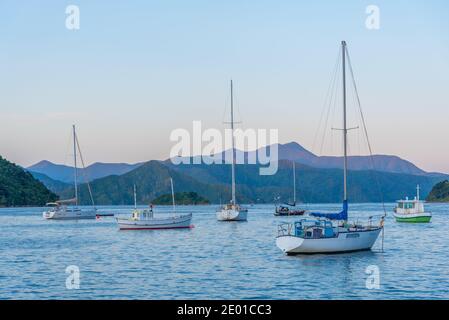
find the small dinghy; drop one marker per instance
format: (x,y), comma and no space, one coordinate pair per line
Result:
(411,211)
(145,220)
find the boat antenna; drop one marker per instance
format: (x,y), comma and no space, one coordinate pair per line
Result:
(75,170)
(173,195)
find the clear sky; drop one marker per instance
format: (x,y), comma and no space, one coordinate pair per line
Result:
(136,70)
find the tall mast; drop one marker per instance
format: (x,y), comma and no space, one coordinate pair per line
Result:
(135,197)
(233,151)
(294,184)
(75,172)
(417,192)
(172,195)
(345,129)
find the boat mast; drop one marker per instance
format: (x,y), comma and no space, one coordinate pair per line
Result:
(135,197)
(75,167)
(345,129)
(417,192)
(233,151)
(294,184)
(172,195)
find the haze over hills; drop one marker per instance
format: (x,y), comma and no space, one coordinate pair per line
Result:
(319,179)
(94,171)
(289,151)
(295,152)
(213,183)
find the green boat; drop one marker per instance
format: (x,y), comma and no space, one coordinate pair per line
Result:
(411,211)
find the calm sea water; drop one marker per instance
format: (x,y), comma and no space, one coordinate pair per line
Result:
(214,260)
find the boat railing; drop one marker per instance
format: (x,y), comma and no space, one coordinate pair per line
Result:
(285,229)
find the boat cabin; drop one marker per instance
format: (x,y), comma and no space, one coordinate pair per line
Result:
(409,206)
(314,229)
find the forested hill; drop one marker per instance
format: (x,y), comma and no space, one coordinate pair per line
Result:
(439,192)
(19,188)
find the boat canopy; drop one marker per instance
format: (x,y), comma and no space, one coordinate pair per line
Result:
(343,215)
(68,201)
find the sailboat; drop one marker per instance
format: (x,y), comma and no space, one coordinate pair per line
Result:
(145,220)
(289,209)
(411,210)
(68,209)
(330,233)
(232,211)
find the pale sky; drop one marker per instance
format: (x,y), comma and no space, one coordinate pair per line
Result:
(136,70)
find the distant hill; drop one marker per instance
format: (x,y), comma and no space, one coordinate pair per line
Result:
(96,170)
(439,192)
(313,184)
(181,198)
(295,152)
(289,151)
(213,182)
(152,180)
(19,188)
(55,186)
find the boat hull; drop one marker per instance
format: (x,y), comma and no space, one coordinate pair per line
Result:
(232,215)
(343,242)
(70,215)
(413,218)
(290,213)
(179,222)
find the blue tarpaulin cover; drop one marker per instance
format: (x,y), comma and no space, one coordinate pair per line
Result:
(343,215)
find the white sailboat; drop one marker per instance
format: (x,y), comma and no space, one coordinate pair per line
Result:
(290,209)
(319,233)
(145,220)
(68,209)
(232,211)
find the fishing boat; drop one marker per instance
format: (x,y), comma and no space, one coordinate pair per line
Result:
(232,211)
(145,220)
(331,232)
(411,210)
(290,209)
(68,209)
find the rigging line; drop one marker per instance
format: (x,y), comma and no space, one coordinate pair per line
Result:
(67,148)
(333,92)
(323,109)
(84,173)
(366,132)
(333,107)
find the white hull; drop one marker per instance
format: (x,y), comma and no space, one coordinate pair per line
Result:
(232,215)
(70,214)
(155,223)
(344,242)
